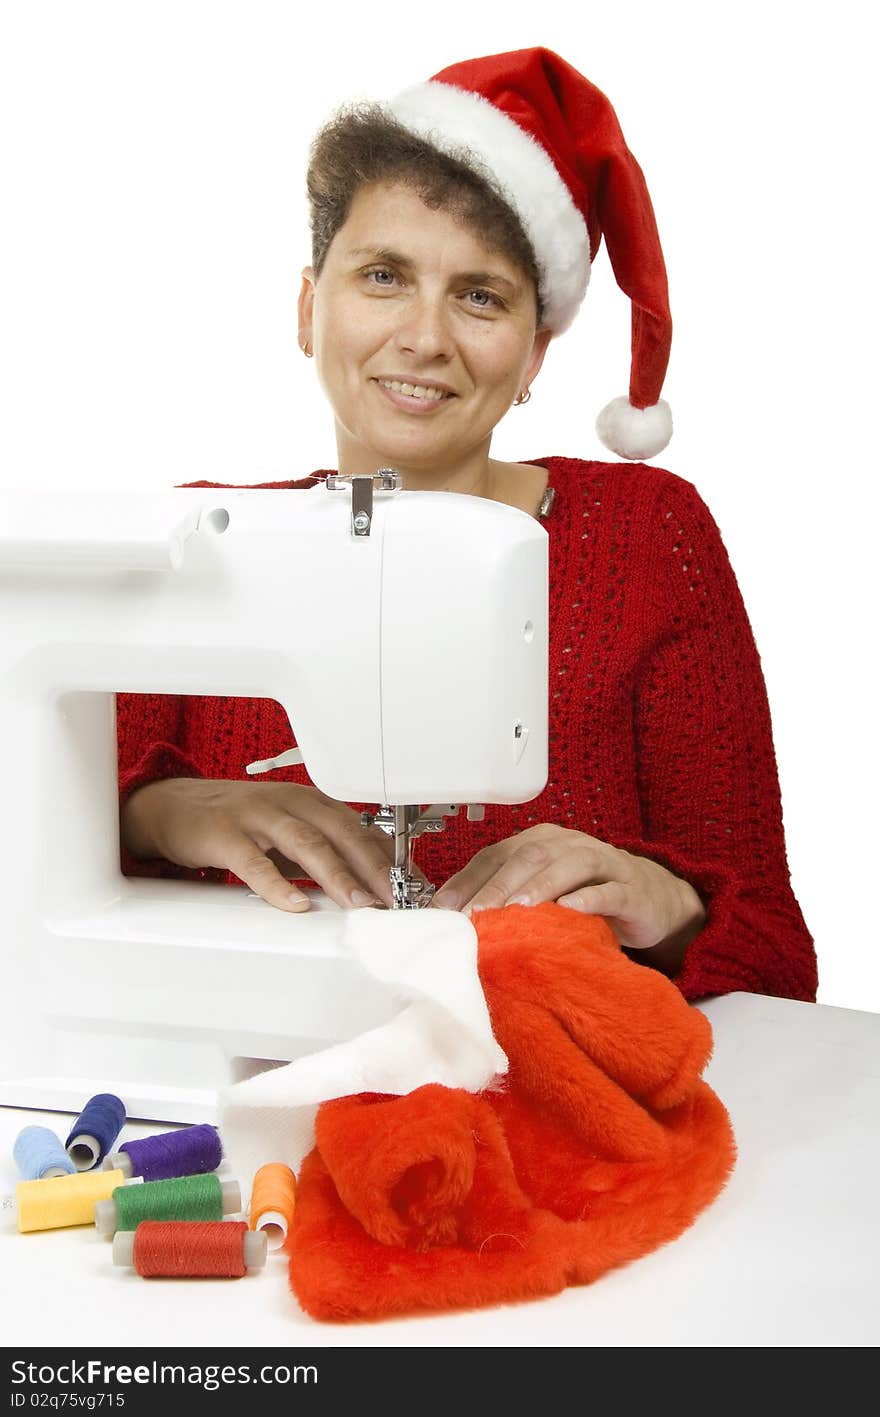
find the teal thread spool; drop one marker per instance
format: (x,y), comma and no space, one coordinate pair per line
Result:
(184,1198)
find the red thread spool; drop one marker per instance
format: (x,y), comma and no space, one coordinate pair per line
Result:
(191,1249)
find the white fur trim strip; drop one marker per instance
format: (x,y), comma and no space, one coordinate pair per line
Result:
(468,126)
(436,1028)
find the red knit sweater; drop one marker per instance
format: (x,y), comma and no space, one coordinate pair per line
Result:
(660,732)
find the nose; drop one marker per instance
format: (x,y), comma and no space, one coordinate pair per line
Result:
(424,330)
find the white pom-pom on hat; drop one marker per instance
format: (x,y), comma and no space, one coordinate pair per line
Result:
(635,433)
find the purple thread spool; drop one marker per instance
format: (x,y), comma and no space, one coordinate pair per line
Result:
(192,1151)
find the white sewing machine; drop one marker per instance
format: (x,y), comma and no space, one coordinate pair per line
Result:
(404,634)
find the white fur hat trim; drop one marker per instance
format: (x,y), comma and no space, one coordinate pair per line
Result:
(467,126)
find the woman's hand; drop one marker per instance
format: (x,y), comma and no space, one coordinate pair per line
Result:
(262,832)
(644,904)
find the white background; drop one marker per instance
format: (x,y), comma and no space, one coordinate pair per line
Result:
(151,176)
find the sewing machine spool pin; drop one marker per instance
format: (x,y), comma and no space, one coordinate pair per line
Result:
(387,479)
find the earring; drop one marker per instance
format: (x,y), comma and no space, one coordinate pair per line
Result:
(522,398)
(306,348)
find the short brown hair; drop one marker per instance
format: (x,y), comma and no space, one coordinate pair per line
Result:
(363,143)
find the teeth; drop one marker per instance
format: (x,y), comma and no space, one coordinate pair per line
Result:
(415,391)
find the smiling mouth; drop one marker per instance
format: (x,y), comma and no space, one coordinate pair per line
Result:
(428,392)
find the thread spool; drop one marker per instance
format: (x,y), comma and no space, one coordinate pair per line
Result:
(190,1151)
(190,1249)
(39,1155)
(184,1198)
(273,1199)
(95,1130)
(64,1200)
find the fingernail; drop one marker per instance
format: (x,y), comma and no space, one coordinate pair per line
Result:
(446,902)
(360,898)
(520,900)
(297,898)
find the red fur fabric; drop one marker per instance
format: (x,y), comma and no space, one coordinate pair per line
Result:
(600,1144)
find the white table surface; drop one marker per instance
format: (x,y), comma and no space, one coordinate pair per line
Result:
(788,1255)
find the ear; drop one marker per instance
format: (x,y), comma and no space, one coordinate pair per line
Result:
(536,358)
(305,307)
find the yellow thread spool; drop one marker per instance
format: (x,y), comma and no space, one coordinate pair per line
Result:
(273,1198)
(64,1200)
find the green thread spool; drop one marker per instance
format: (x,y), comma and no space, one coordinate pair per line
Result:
(183,1198)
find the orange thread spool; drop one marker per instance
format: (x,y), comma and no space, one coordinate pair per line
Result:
(273,1200)
(194,1249)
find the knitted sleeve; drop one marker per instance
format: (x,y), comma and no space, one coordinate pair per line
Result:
(708,779)
(149,734)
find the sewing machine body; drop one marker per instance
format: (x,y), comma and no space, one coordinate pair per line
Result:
(412,666)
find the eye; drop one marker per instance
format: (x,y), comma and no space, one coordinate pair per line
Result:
(484,299)
(384,277)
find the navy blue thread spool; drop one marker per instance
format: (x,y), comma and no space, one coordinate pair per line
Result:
(95,1130)
(39,1155)
(191,1151)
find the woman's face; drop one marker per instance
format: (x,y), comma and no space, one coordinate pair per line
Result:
(408,296)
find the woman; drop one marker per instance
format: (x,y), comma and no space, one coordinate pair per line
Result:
(442,267)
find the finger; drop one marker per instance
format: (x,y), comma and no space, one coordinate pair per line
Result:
(369,851)
(267,825)
(609,898)
(518,883)
(525,866)
(251,865)
(306,843)
(460,888)
(302,843)
(632,918)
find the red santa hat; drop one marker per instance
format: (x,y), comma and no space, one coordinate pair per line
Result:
(549,142)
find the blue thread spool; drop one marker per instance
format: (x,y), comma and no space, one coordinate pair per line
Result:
(191,1151)
(39,1155)
(95,1130)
